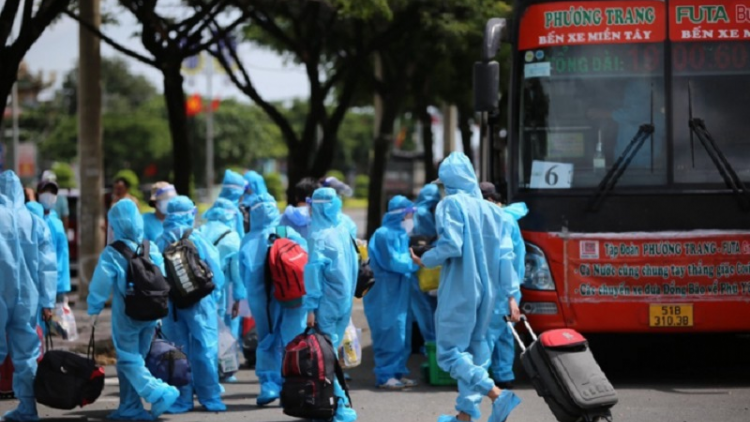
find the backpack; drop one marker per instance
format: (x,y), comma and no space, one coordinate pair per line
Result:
(285,270)
(147,296)
(365,276)
(188,275)
(245,210)
(167,362)
(308,369)
(65,380)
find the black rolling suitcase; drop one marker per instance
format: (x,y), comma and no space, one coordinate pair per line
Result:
(565,373)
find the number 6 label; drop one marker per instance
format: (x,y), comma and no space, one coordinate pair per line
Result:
(549,175)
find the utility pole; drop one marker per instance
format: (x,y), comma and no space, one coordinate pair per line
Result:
(91,215)
(450,122)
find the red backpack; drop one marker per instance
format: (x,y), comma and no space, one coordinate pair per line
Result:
(285,269)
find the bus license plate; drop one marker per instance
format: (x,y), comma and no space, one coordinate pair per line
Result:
(663,316)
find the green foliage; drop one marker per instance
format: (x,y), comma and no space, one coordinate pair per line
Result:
(132,179)
(274,184)
(65,176)
(361,186)
(337,174)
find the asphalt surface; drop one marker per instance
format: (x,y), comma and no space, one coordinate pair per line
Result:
(664,379)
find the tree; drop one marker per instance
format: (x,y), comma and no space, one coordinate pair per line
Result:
(33,24)
(328,39)
(170,40)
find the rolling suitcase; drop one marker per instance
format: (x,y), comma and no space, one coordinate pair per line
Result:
(564,372)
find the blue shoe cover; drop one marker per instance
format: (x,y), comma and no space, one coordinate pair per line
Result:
(165,402)
(230,380)
(215,406)
(344,413)
(130,415)
(269,392)
(502,407)
(179,407)
(20,416)
(447,418)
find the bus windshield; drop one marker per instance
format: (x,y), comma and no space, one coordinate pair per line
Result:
(591,75)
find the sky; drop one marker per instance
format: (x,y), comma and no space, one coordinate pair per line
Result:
(57,51)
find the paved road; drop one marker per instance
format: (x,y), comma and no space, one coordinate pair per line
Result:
(697,379)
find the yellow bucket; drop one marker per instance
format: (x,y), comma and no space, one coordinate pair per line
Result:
(429,279)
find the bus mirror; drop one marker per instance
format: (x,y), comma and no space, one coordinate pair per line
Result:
(486,86)
(493,34)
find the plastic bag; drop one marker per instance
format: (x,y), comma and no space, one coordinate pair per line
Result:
(229,349)
(429,279)
(350,353)
(63,322)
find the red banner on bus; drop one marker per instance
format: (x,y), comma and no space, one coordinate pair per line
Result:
(722,20)
(592,22)
(644,269)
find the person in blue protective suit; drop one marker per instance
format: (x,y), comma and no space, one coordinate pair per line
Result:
(195,328)
(132,338)
(232,189)
(29,280)
(422,304)
(387,302)
(298,217)
(254,184)
(330,277)
(47,194)
(343,190)
(219,231)
(500,335)
(476,269)
(284,323)
(153,222)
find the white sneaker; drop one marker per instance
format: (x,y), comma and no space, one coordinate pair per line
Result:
(392,384)
(408,383)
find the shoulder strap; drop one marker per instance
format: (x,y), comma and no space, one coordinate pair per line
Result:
(186,234)
(146,249)
(342,380)
(225,234)
(123,249)
(356,247)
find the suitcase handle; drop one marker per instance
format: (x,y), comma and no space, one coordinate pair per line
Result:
(515,333)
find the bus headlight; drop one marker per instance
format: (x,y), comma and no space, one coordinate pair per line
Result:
(538,276)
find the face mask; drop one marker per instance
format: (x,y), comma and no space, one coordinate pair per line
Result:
(408,225)
(47,200)
(162,206)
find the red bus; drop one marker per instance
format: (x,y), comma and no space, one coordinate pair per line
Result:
(628,137)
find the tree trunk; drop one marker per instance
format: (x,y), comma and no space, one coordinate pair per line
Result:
(381,147)
(427,141)
(464,126)
(8,74)
(297,168)
(181,150)
(90,147)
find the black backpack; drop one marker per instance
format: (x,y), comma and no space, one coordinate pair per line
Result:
(245,210)
(188,275)
(365,276)
(309,368)
(147,296)
(65,380)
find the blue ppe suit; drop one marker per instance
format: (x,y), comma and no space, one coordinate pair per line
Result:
(285,323)
(152,226)
(471,248)
(132,339)
(220,232)
(196,327)
(330,277)
(387,302)
(256,185)
(298,218)
(422,304)
(501,338)
(60,242)
(29,280)
(232,189)
(349,225)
